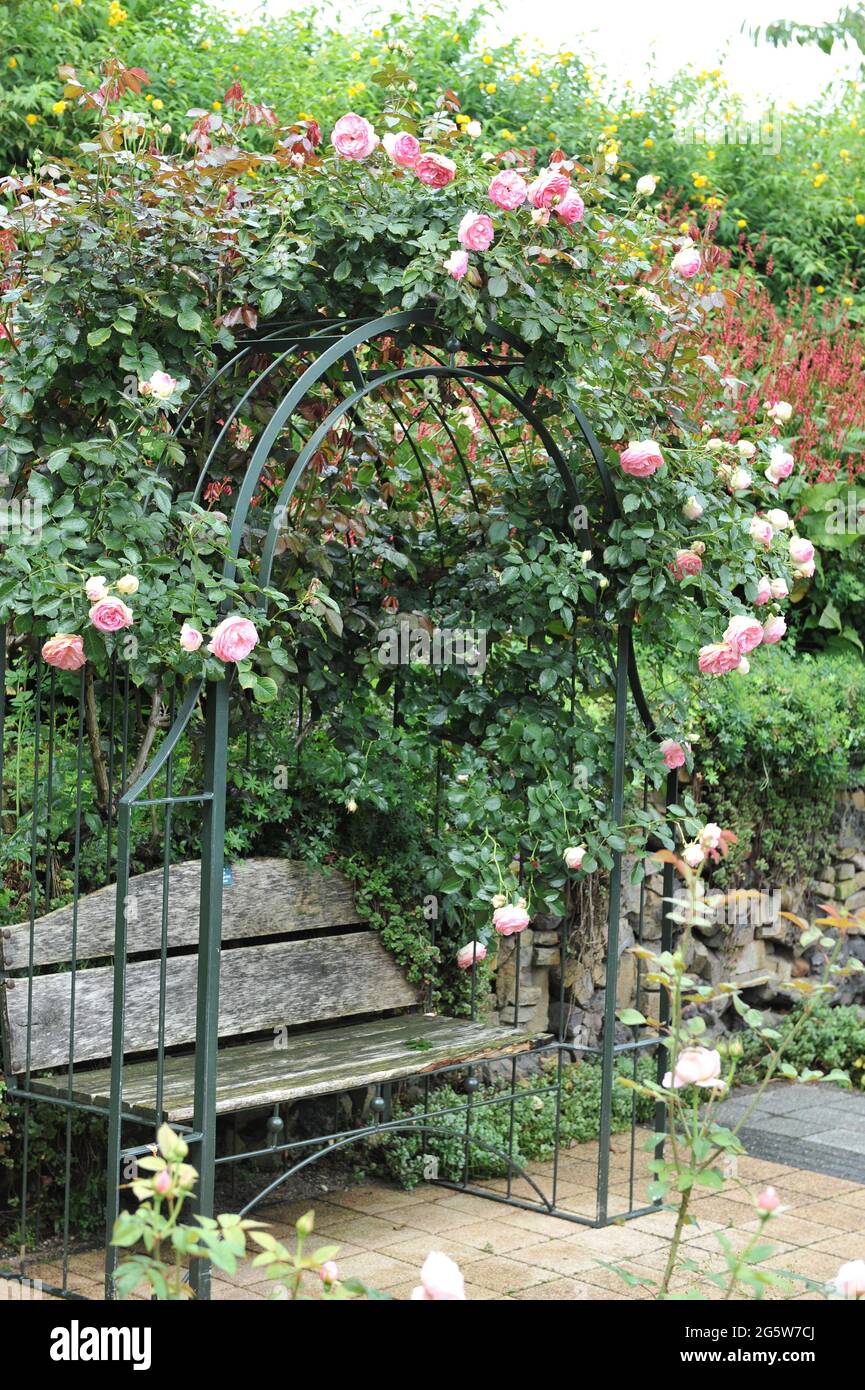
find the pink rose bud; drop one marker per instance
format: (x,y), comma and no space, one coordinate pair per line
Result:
(457,264)
(781,465)
(574,856)
(718,658)
(774,630)
(747,450)
(190,638)
(673,753)
(710,836)
(329,1272)
(233,639)
(768,1200)
(693,856)
(508,190)
(402,148)
(764,593)
(441,1280)
(778,517)
(801,550)
(696,1066)
(686,562)
(353,137)
(641,458)
(128,584)
(467,955)
(761,531)
(686,262)
(510,920)
(110,615)
(96,587)
(744,633)
(162,1181)
(692,509)
(779,411)
(160,385)
(435,170)
(779,589)
(849,1282)
(65,650)
(475,232)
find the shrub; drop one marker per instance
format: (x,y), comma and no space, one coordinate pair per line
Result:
(832,1037)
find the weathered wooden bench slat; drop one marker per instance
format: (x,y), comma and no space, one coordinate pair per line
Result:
(310,1064)
(285,983)
(265,897)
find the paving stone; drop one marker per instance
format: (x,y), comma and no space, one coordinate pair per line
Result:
(378,1270)
(833,1215)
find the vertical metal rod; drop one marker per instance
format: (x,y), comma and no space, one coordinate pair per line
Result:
(73,969)
(672,791)
(115,1102)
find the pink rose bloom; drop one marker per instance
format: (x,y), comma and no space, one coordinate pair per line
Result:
(696,1066)
(467,955)
(673,753)
(687,262)
(509,920)
(110,615)
(65,650)
(574,856)
(764,593)
(780,466)
(353,137)
(768,1200)
(693,856)
(160,385)
(850,1279)
(435,170)
(457,264)
(761,530)
(233,639)
(774,630)
(548,190)
(402,148)
(96,587)
(190,638)
(801,550)
(508,190)
(329,1272)
(710,836)
(441,1280)
(718,658)
(779,589)
(805,570)
(686,562)
(476,232)
(571,208)
(641,458)
(744,634)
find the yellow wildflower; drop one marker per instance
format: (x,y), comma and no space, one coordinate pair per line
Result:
(860,219)
(741,223)
(491,87)
(819,289)
(648,142)
(12,63)
(31,118)
(158,103)
(58,108)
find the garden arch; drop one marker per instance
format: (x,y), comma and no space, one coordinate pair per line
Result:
(329,356)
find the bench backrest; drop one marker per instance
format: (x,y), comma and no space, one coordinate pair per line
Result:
(294,951)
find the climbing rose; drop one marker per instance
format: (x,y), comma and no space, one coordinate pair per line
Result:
(801,550)
(467,955)
(687,262)
(508,190)
(768,1200)
(128,584)
(571,208)
(718,658)
(686,562)
(761,530)
(692,509)
(110,615)
(646,185)
(641,458)
(233,639)
(510,920)
(457,264)
(780,466)
(779,589)
(65,650)
(475,232)
(159,385)
(696,1066)
(441,1280)
(574,856)
(673,753)
(435,170)
(740,479)
(693,856)
(190,638)
(402,148)
(779,411)
(764,593)
(850,1279)
(96,588)
(744,633)
(353,137)
(774,630)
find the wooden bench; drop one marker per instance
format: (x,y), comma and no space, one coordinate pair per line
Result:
(295,953)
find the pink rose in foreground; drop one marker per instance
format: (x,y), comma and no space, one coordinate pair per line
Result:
(761,531)
(110,615)
(764,593)
(780,466)
(476,232)
(329,1272)
(233,639)
(686,562)
(467,955)
(673,753)
(190,638)
(687,262)
(801,550)
(549,189)
(744,633)
(353,137)
(574,856)
(435,170)
(402,148)
(96,587)
(696,1066)
(774,630)
(641,458)
(779,589)
(508,190)
(457,264)
(65,650)
(718,658)
(850,1279)
(768,1200)
(441,1280)
(571,208)
(710,836)
(159,385)
(693,855)
(510,919)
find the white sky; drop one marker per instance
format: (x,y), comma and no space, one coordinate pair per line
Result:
(630,35)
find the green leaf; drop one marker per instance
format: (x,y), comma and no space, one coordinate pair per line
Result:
(97,336)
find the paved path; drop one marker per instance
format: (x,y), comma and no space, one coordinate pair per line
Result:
(818,1127)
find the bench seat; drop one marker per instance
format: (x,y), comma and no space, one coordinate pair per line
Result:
(323,1062)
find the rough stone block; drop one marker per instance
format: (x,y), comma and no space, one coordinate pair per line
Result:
(844,869)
